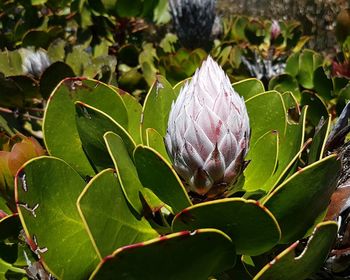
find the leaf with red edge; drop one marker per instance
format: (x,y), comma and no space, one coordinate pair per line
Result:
(193,255)
(251,226)
(288,266)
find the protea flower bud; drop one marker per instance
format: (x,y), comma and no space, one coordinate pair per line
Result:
(275,30)
(208,132)
(34,62)
(193,22)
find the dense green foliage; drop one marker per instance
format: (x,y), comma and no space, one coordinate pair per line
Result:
(87,188)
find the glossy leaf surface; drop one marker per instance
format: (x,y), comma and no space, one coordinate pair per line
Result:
(61,107)
(108,216)
(288,266)
(251,227)
(156,174)
(92,124)
(46,193)
(310,188)
(168,257)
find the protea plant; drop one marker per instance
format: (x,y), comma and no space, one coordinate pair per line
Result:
(193,22)
(208,132)
(106,203)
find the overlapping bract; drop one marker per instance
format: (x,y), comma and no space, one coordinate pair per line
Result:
(208,131)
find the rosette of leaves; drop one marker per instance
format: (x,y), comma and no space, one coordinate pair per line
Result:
(257,48)
(315,81)
(106,202)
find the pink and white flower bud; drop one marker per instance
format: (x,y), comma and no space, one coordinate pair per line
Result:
(275,30)
(208,132)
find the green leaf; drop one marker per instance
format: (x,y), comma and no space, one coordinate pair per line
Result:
(9,226)
(248,88)
(51,77)
(177,88)
(5,126)
(109,4)
(126,169)
(310,188)
(157,107)
(161,13)
(129,55)
(308,62)
(288,266)
(263,158)
(36,38)
(322,84)
(134,109)
(290,102)
(108,216)
(158,175)
(8,271)
(56,50)
(78,59)
(12,249)
(292,64)
(289,149)
(266,113)
(11,63)
(124,9)
(283,83)
(238,28)
(92,124)
(60,123)
(11,94)
(28,86)
(317,108)
(184,255)
(3,203)
(156,141)
(38,2)
(252,228)
(46,193)
(319,140)
(146,60)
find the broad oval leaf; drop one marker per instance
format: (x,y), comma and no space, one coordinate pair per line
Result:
(319,140)
(283,83)
(263,158)
(299,200)
(157,175)
(157,106)
(108,217)
(185,255)
(156,141)
(134,110)
(126,169)
(288,266)
(290,146)
(46,193)
(249,88)
(59,120)
(266,112)
(251,226)
(92,124)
